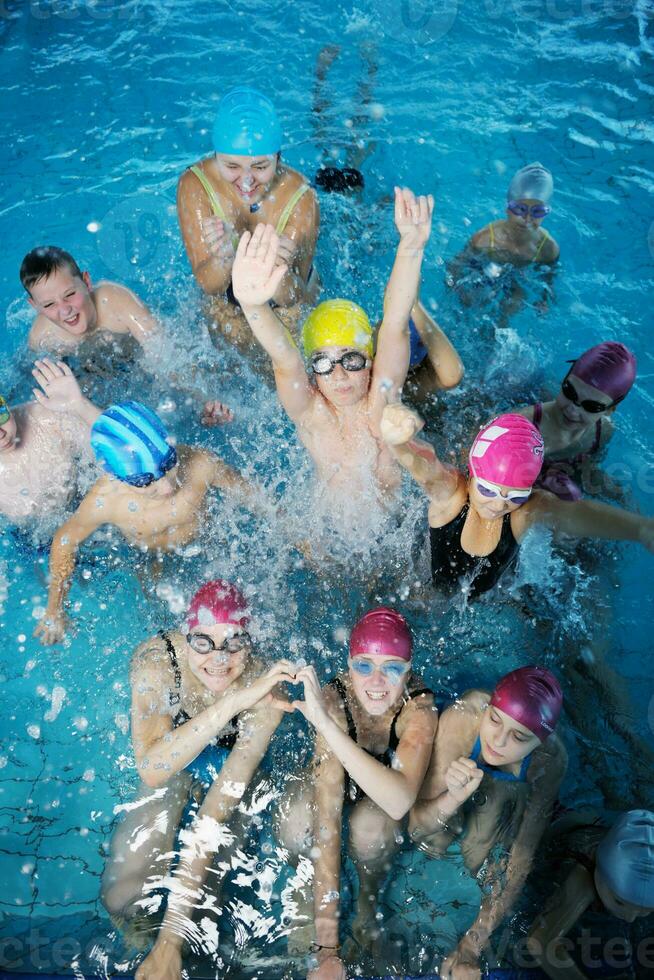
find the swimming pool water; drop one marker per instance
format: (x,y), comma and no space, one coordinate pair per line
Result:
(103,106)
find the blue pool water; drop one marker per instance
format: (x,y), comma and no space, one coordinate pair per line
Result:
(104,104)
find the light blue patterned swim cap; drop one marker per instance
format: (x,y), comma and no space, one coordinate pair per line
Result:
(246,124)
(625,858)
(129,440)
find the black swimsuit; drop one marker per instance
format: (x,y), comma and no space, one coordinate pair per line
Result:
(354,793)
(450,563)
(226,739)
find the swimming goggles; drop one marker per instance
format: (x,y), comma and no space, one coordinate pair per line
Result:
(351,360)
(201,643)
(392,670)
(487,489)
(536,211)
(5,414)
(168,463)
(569,391)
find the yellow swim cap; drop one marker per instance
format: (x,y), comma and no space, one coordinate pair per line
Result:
(337,323)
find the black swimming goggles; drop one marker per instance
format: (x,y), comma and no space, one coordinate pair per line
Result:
(201,643)
(351,360)
(168,463)
(589,405)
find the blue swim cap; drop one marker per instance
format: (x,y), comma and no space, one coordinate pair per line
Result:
(130,441)
(246,124)
(625,858)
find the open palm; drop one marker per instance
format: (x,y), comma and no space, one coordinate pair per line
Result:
(255,276)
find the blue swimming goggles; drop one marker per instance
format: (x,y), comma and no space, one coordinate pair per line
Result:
(392,670)
(536,211)
(168,463)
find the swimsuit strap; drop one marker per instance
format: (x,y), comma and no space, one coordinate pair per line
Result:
(337,684)
(544,238)
(174,697)
(598,437)
(538,414)
(282,221)
(214,200)
(492,234)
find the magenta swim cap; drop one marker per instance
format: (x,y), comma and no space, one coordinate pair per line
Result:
(531,696)
(217,602)
(509,450)
(382,632)
(610,367)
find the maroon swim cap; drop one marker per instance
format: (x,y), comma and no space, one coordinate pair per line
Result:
(217,602)
(531,696)
(382,632)
(610,367)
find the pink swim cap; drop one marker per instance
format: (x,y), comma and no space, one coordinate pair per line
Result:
(610,367)
(531,696)
(217,602)
(382,632)
(508,451)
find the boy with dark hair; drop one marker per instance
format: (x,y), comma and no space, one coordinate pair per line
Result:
(72,310)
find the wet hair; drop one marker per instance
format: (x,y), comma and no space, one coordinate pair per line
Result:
(42,261)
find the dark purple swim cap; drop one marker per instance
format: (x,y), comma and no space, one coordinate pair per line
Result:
(610,367)
(531,696)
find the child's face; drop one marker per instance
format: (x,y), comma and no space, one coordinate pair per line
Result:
(504,741)
(341,387)
(526,213)
(571,397)
(66,301)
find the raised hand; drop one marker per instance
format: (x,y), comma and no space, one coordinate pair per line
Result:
(413,217)
(399,424)
(59,390)
(255,273)
(216,413)
(462,779)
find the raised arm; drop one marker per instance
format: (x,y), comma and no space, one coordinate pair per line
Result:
(59,391)
(442,353)
(399,429)
(88,517)
(393,790)
(585,519)
(256,277)
(391,364)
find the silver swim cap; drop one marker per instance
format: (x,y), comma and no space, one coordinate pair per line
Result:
(533,183)
(625,858)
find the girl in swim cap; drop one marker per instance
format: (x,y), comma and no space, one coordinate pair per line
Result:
(578,424)
(493,779)
(201,724)
(611,877)
(375,726)
(242,184)
(519,238)
(477,521)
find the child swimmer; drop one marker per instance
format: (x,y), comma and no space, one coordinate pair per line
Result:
(336,400)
